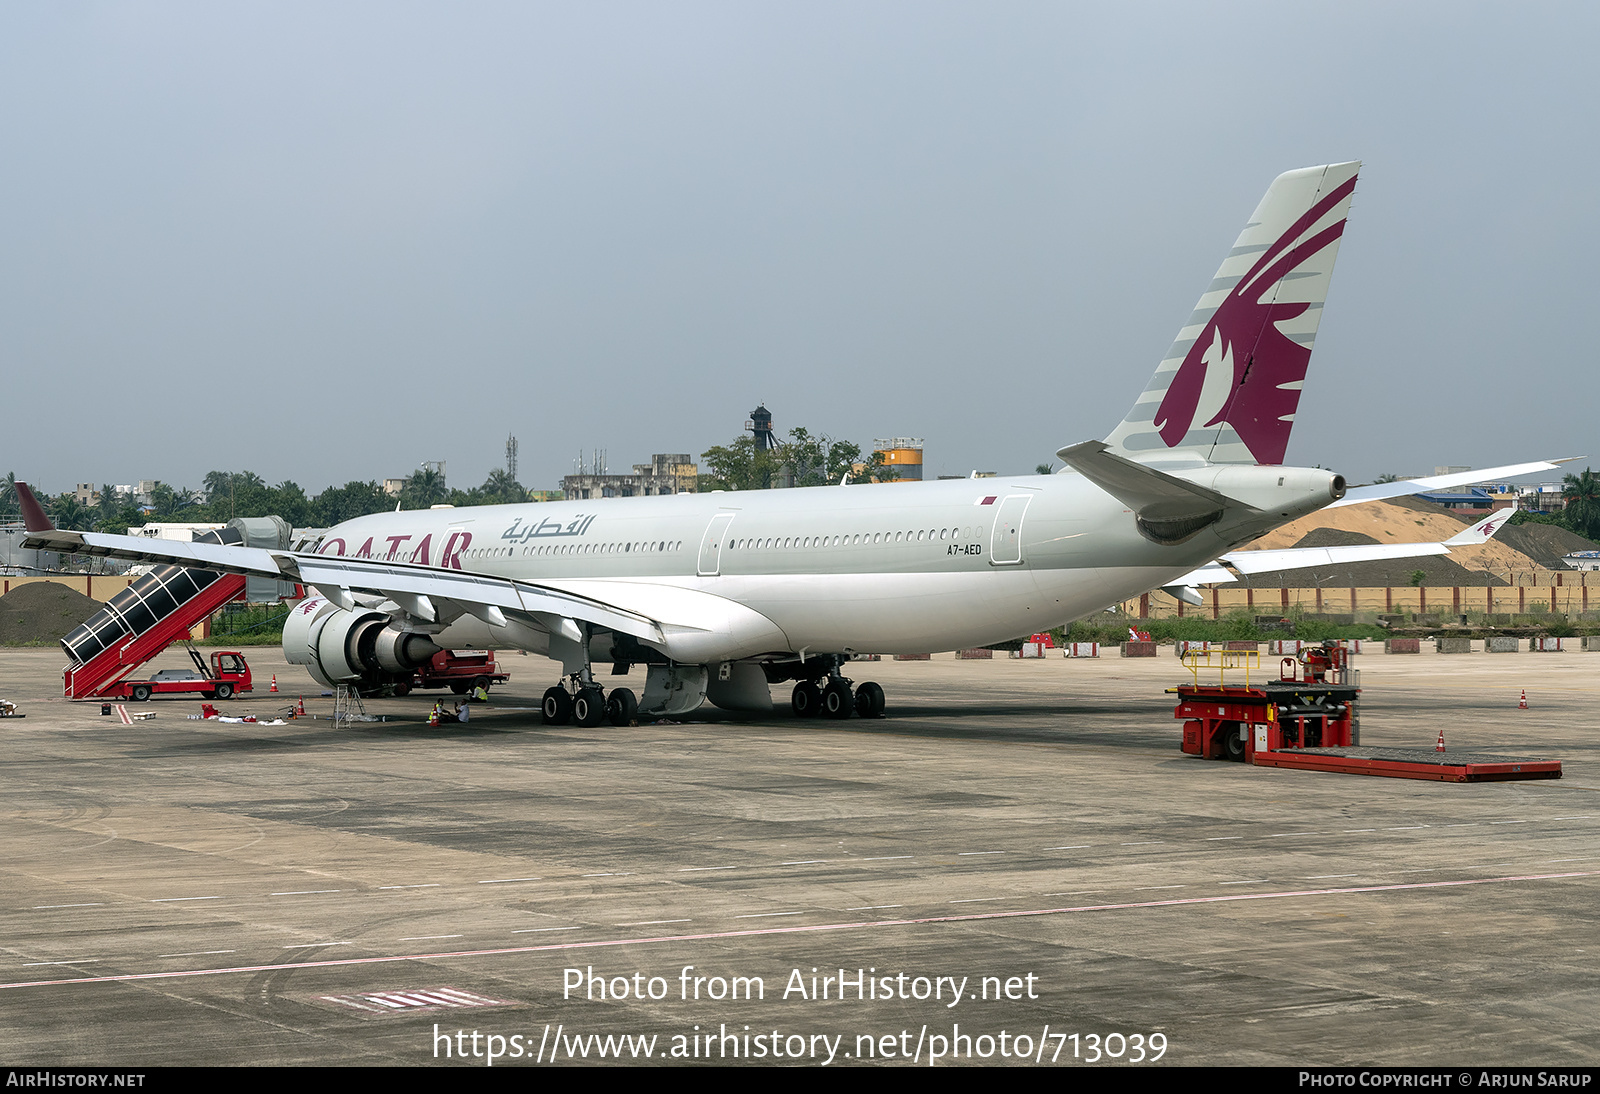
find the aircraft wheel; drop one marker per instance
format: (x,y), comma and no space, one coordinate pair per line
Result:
(141,693)
(869,700)
(589,708)
(806,699)
(837,702)
(557,706)
(621,707)
(224,691)
(402,688)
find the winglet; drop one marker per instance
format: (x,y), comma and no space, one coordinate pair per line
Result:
(32,512)
(1483,531)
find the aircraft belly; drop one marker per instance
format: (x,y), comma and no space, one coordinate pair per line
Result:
(892,613)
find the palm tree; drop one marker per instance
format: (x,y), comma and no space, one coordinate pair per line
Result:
(1582,493)
(8,493)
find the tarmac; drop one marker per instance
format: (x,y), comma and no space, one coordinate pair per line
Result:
(1016,866)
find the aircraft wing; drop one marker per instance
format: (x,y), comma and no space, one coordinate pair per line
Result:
(683,621)
(1230,565)
(1380,491)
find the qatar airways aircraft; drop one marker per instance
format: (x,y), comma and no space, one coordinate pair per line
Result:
(722,594)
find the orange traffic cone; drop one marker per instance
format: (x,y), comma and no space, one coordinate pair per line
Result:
(1522,704)
(274,686)
(1440,746)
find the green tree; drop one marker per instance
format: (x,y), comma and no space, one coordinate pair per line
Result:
(337,504)
(1582,512)
(66,512)
(738,466)
(808,460)
(424,488)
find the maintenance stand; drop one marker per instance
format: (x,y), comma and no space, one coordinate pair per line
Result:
(1307,718)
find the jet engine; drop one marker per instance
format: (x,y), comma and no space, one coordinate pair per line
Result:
(362,648)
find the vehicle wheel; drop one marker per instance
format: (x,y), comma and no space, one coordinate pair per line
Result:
(557,706)
(141,693)
(481,682)
(224,691)
(459,689)
(622,708)
(402,688)
(208,695)
(806,700)
(1233,742)
(837,702)
(589,708)
(869,700)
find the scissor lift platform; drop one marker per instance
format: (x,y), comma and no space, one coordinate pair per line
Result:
(1411,763)
(1306,719)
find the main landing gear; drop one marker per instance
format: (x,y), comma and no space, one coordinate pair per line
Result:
(832,695)
(584,703)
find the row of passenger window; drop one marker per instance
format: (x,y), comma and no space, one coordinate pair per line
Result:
(550,549)
(919,535)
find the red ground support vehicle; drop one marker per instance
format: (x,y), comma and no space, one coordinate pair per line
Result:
(459,670)
(226,676)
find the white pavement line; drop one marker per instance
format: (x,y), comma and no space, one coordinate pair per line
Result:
(1142,888)
(508,880)
(651,922)
(1214,839)
(807,928)
(176,899)
(1511,822)
(1412,827)
(702,869)
(96,904)
(537,930)
(195,953)
(977,899)
(308,945)
(1273,835)
(1579,816)
(886,858)
(1463,824)
(429,885)
(619,873)
(430,937)
(961,853)
(804,862)
(307,892)
(78,961)
(1080,846)
(1319,877)
(1349,830)
(764,915)
(1143,843)
(1251,881)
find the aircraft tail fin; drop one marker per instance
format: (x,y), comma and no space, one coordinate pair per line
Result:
(1229,387)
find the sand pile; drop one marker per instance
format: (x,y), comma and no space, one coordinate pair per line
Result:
(42,611)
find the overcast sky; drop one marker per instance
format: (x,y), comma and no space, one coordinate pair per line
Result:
(329,241)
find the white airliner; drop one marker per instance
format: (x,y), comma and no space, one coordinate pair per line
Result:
(722,594)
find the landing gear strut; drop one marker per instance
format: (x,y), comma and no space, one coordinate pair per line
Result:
(587,704)
(830,693)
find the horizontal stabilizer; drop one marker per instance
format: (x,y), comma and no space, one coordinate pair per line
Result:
(1169,509)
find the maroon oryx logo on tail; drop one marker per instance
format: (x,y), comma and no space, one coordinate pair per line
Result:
(1244,334)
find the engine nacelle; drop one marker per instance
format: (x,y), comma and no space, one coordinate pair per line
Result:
(360,647)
